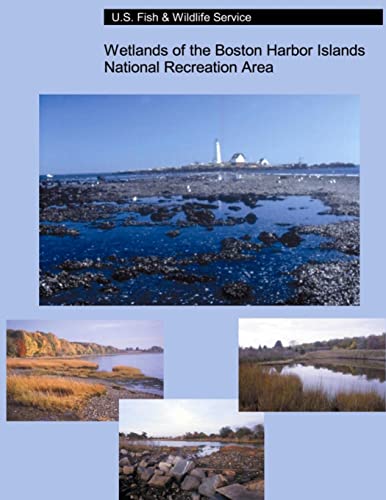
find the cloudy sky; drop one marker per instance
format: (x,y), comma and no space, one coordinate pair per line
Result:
(174,417)
(119,334)
(255,332)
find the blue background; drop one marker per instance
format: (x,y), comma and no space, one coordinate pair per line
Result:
(307,456)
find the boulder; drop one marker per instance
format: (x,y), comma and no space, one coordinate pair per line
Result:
(159,481)
(128,469)
(237,492)
(268,238)
(237,291)
(200,473)
(190,483)
(209,486)
(145,473)
(290,239)
(181,468)
(250,218)
(164,466)
(124,461)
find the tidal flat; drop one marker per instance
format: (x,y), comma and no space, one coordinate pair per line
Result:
(213,237)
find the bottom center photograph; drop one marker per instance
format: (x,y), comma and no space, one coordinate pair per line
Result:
(190,449)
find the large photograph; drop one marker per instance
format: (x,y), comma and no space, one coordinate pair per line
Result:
(199,200)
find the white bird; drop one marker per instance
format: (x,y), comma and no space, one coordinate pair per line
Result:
(332,181)
(135,198)
(188,188)
(219,178)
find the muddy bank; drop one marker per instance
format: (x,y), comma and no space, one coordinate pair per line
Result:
(233,472)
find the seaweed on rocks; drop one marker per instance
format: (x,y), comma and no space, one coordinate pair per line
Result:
(327,284)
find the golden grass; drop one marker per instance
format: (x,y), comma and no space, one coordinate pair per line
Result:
(263,390)
(71,367)
(127,370)
(49,364)
(51,393)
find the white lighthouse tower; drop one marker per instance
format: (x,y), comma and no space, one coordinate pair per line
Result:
(218,151)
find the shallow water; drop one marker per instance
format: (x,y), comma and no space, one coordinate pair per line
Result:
(267,272)
(206,447)
(150,364)
(334,379)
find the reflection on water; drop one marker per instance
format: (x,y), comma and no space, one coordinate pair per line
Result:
(206,448)
(337,378)
(150,364)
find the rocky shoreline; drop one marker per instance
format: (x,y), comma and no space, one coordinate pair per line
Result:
(234,472)
(201,196)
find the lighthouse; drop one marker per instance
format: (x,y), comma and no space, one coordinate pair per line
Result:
(218,151)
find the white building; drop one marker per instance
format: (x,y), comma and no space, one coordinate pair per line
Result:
(263,162)
(238,158)
(217,152)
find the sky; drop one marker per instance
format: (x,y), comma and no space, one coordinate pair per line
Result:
(120,334)
(175,417)
(255,332)
(108,133)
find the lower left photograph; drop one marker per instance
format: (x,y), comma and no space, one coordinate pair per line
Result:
(63,370)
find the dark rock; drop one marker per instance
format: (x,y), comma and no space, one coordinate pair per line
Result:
(237,292)
(124,274)
(105,225)
(51,230)
(173,234)
(200,216)
(162,214)
(268,238)
(250,218)
(75,265)
(290,239)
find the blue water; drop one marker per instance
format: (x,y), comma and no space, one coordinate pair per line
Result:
(267,271)
(150,364)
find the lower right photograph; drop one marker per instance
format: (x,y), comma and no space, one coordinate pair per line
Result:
(312,365)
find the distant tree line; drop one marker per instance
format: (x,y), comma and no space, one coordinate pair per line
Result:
(278,351)
(240,433)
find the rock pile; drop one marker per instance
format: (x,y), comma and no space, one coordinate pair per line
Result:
(149,475)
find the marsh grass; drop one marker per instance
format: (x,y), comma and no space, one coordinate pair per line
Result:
(49,364)
(263,390)
(71,367)
(51,393)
